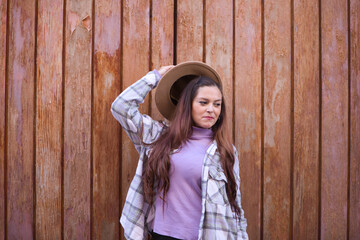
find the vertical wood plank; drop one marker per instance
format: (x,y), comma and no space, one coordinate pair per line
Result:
(106,130)
(306,120)
(277,129)
(3,18)
(189,33)
(77,117)
(248,108)
(20,129)
(219,47)
(354,218)
(334,137)
(162,41)
(135,65)
(49,119)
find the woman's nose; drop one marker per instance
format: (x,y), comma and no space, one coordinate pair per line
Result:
(210,108)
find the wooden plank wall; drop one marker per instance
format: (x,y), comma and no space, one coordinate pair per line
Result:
(291,75)
(3,20)
(49,118)
(306,120)
(20,118)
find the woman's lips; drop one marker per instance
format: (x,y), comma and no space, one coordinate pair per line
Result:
(208,117)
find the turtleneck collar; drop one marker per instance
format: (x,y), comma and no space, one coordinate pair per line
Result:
(201,133)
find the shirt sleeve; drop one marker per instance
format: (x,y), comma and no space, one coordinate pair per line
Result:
(243,223)
(139,127)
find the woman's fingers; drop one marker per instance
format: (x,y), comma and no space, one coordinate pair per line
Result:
(164,69)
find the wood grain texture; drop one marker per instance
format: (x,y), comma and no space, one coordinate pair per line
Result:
(77,120)
(162,42)
(306,120)
(49,119)
(3,18)
(354,201)
(277,128)
(135,65)
(248,108)
(334,137)
(38,92)
(189,32)
(106,130)
(219,48)
(20,129)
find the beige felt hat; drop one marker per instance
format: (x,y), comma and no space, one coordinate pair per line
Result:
(174,81)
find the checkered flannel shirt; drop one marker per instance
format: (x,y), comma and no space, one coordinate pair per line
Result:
(217,219)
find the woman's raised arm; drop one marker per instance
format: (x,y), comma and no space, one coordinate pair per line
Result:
(139,127)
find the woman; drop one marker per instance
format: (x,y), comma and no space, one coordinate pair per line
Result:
(187,180)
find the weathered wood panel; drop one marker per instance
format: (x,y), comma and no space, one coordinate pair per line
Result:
(189,32)
(49,119)
(20,128)
(106,131)
(334,139)
(277,128)
(136,62)
(247,101)
(77,120)
(306,120)
(354,201)
(162,41)
(219,48)
(3,18)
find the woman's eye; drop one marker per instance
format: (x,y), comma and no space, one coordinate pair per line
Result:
(217,104)
(203,102)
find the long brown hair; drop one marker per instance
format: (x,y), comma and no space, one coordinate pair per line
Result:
(157,166)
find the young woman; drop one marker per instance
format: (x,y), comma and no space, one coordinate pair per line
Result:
(187,181)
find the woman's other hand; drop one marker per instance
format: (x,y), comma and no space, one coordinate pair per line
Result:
(165,69)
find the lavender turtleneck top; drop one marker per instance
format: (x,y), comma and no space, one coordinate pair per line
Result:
(180,217)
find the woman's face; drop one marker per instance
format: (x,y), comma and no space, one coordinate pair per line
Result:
(206,106)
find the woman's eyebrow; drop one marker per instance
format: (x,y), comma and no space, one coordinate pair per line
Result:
(204,98)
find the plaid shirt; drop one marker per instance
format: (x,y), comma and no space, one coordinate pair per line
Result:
(217,219)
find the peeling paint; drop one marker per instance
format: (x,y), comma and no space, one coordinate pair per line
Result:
(18,33)
(272,118)
(108,36)
(108,81)
(73,20)
(86,22)
(249,129)
(19,73)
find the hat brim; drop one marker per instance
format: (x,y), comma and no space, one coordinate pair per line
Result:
(162,96)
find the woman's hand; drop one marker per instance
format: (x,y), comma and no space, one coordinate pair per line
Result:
(165,69)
